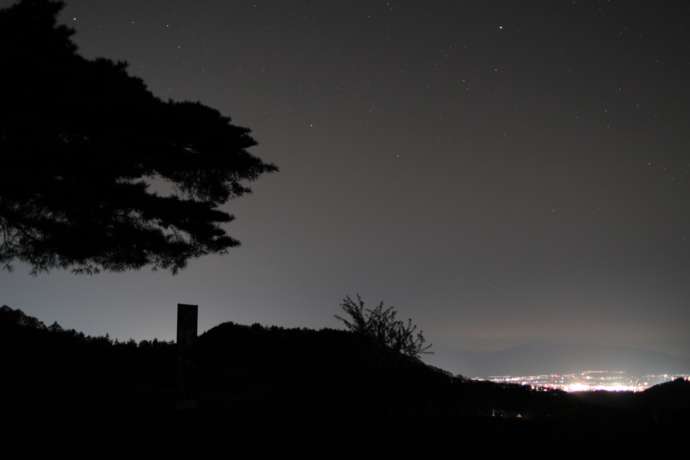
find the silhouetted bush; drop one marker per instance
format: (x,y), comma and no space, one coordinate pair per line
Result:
(381,324)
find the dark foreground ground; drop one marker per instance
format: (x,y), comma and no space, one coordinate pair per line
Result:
(288,373)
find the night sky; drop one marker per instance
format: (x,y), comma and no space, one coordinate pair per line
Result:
(508,174)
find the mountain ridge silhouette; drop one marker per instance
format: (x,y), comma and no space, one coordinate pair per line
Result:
(256,370)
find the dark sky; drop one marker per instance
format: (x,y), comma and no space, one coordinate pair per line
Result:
(504,172)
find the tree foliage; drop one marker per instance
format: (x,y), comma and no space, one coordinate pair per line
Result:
(86,150)
(382,326)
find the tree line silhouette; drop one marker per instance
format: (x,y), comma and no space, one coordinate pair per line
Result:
(257,370)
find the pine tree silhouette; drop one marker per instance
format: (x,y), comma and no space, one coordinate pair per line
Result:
(81,142)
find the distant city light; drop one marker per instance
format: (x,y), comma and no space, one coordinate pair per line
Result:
(590,380)
(574,387)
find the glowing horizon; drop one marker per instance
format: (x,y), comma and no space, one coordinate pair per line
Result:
(589,381)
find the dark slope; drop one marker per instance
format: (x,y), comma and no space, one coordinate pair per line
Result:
(300,369)
(250,368)
(672,396)
(259,371)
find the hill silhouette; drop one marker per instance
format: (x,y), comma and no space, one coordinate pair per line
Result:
(668,396)
(277,371)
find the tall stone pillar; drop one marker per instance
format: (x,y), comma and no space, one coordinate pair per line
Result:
(187,323)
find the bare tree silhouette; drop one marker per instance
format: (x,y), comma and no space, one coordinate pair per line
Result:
(381,324)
